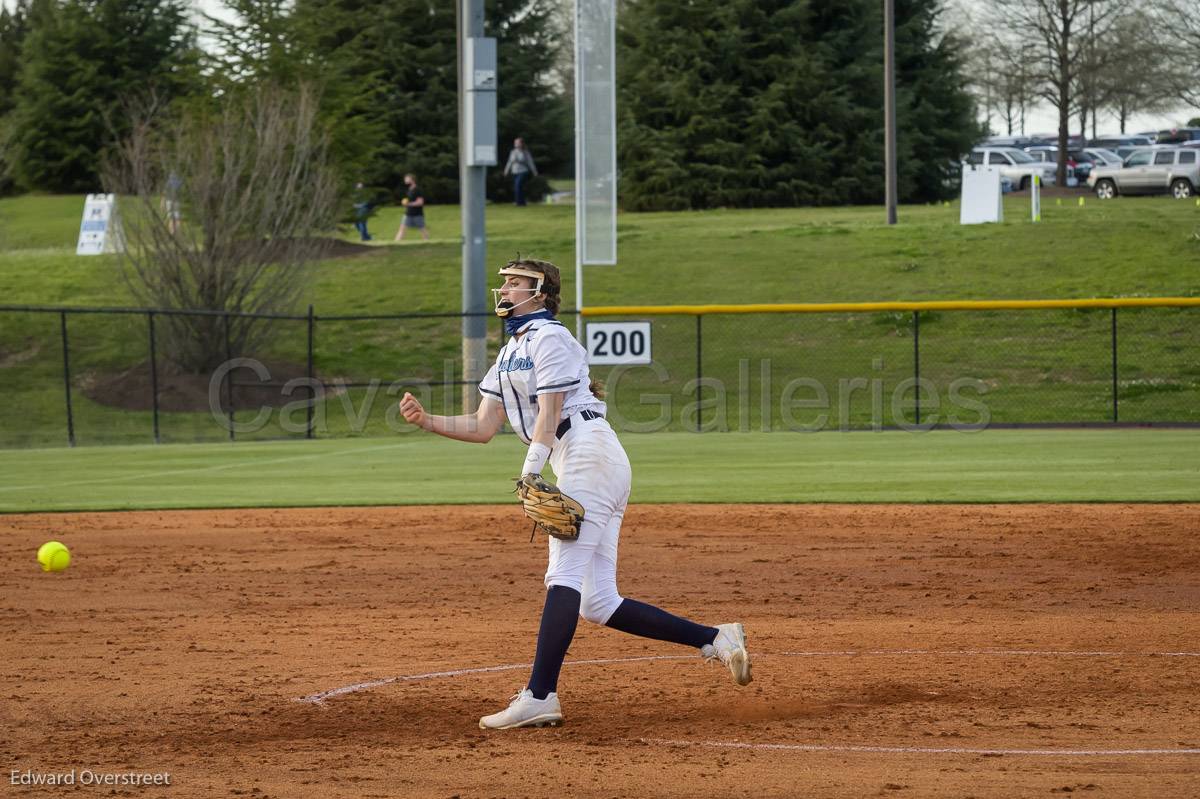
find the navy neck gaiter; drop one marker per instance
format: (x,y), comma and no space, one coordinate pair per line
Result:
(514,323)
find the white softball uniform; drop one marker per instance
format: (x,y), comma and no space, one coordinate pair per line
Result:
(588,459)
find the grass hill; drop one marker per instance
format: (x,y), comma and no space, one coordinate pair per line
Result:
(1043,366)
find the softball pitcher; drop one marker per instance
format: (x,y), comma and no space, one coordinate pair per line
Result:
(540,384)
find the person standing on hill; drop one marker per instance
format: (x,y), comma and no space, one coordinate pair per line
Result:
(520,165)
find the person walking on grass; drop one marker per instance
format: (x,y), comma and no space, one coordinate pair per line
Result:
(414,209)
(362,211)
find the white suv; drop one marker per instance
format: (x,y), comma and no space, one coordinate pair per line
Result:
(1014,164)
(1150,171)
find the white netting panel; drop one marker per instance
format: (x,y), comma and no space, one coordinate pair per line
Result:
(596,132)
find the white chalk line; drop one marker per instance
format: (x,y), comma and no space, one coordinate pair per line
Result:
(321,696)
(319,700)
(920,750)
(197,469)
(992,652)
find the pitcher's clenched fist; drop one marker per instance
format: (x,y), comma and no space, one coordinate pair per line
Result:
(413,413)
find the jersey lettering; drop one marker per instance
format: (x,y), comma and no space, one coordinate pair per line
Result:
(515,364)
(547,358)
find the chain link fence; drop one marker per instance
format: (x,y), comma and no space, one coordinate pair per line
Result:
(103,375)
(911,369)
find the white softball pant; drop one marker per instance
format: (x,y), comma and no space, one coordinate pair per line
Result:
(591,467)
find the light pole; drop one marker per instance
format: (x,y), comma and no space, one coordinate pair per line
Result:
(889,106)
(476,149)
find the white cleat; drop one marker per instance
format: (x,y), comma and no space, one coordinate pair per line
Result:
(525,711)
(729,647)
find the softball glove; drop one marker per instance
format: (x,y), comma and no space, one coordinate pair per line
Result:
(552,511)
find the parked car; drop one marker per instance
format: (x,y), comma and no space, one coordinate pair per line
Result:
(1014,164)
(1178,135)
(1020,142)
(1150,171)
(1079,162)
(1124,151)
(1102,157)
(1115,142)
(1074,141)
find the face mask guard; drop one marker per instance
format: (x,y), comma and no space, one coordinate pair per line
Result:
(504,308)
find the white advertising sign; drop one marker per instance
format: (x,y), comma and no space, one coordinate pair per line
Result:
(100,230)
(981,197)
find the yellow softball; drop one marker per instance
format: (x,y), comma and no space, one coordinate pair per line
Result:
(54,556)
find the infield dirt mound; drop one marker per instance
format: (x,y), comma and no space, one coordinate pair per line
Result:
(940,640)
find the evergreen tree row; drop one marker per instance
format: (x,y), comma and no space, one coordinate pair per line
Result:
(721,102)
(777,102)
(386,70)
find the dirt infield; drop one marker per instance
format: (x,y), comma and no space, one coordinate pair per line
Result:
(988,651)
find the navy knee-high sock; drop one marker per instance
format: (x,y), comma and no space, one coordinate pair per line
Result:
(638,618)
(559,619)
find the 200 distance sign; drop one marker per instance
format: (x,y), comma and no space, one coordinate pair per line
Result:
(618,343)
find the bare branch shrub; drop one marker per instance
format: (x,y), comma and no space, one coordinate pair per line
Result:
(222,209)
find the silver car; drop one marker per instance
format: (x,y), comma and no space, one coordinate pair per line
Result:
(1102,157)
(1113,142)
(1150,171)
(1077,161)
(1014,164)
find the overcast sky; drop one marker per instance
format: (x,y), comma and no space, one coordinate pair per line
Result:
(1043,119)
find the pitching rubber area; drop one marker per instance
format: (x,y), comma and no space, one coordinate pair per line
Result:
(1003,650)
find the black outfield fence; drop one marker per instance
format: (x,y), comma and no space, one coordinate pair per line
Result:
(106,375)
(875,366)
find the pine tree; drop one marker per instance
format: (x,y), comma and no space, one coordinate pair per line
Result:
(786,130)
(935,113)
(389,69)
(680,104)
(530,42)
(83,59)
(723,103)
(14,26)
(257,46)
(847,35)
(305,46)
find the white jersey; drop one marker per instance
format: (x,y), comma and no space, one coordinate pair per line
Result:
(547,358)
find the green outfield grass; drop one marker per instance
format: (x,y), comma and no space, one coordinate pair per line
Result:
(1037,366)
(949,466)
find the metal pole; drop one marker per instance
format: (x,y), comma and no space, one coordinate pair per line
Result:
(699,369)
(472,196)
(67,380)
(889,105)
(312,392)
(578,175)
(229,376)
(1114,364)
(578,277)
(153,374)
(917,360)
